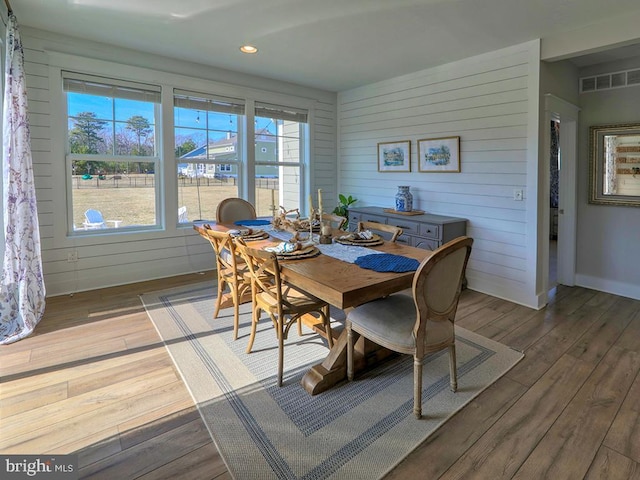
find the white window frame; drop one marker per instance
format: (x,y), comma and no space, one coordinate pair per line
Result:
(155,159)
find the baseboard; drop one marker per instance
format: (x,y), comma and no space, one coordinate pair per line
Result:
(609,286)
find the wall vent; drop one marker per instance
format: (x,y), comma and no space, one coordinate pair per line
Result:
(607,81)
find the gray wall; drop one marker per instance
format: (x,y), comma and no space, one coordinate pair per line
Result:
(608,236)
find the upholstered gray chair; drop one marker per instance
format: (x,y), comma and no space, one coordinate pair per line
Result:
(420,324)
(233,209)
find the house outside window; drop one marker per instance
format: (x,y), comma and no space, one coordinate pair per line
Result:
(208,132)
(112,155)
(280,153)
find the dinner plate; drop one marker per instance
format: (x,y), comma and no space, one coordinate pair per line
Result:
(255,236)
(374,240)
(306,252)
(315,229)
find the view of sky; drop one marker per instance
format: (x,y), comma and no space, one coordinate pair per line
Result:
(121,110)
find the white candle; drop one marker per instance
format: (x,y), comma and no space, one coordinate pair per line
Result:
(273,198)
(320,200)
(310,207)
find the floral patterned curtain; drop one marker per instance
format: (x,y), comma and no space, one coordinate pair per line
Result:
(22,291)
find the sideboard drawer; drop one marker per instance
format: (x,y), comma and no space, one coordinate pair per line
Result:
(412,228)
(405,240)
(367,217)
(425,243)
(430,231)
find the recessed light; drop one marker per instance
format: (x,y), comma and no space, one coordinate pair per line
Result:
(248,49)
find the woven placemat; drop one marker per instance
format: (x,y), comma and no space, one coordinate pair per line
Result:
(252,222)
(387,262)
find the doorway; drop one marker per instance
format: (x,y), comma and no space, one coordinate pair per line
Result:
(554,194)
(565,114)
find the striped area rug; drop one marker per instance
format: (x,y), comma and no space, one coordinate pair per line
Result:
(357,430)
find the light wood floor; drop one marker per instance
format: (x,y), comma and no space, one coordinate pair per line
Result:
(96,380)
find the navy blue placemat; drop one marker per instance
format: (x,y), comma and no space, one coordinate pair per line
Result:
(252,223)
(387,262)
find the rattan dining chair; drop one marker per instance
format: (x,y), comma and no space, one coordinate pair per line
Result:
(336,221)
(394,231)
(233,209)
(232,272)
(284,303)
(421,323)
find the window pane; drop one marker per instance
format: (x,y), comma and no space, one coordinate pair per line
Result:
(100,125)
(283,181)
(207,154)
(201,189)
(267,192)
(278,141)
(110,121)
(124,199)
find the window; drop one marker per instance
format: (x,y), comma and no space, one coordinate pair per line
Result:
(112,152)
(280,146)
(208,133)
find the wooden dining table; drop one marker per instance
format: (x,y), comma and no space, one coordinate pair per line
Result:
(343,285)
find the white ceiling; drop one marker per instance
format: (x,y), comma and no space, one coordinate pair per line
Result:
(329,44)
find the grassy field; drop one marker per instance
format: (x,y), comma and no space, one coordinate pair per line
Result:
(136,205)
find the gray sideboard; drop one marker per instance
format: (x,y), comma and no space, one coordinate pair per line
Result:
(423,231)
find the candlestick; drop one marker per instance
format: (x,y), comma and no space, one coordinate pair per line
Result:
(320,200)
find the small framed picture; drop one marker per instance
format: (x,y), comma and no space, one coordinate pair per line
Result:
(394,156)
(439,154)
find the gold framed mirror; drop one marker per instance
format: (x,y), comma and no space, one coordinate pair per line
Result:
(614,177)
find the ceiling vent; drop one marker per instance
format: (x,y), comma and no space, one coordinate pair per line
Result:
(608,81)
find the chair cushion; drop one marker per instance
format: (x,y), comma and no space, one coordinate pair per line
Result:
(390,321)
(387,321)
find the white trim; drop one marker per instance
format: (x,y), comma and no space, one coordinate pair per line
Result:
(603,285)
(567,113)
(171,80)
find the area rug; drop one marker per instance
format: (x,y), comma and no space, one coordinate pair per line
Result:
(357,430)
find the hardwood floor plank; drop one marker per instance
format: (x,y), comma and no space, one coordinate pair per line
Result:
(159,450)
(510,322)
(23,436)
(478,319)
(610,465)
(603,333)
(24,402)
(150,424)
(548,349)
(110,376)
(624,434)
(204,463)
(30,380)
(508,443)
(442,449)
(570,446)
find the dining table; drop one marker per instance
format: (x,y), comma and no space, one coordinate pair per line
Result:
(343,285)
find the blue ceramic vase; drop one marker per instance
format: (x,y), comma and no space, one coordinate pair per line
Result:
(404,199)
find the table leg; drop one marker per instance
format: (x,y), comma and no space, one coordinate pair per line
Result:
(333,369)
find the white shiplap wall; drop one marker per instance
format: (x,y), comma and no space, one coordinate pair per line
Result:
(491,102)
(126,258)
